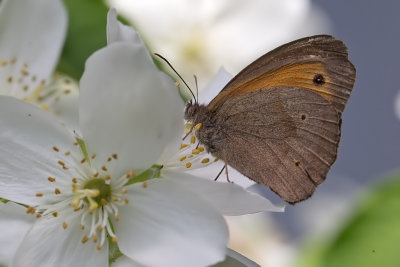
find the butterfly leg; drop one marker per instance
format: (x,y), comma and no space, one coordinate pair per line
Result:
(219,174)
(226,172)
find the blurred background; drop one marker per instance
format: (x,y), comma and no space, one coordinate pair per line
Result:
(353,219)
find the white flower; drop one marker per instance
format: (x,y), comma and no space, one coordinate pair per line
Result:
(200,36)
(32,35)
(76,187)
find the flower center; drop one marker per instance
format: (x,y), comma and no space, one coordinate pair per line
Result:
(102,189)
(86,189)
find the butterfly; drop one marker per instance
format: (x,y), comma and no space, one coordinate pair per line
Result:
(278,121)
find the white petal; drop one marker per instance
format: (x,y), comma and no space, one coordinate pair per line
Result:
(117,32)
(124,261)
(27,137)
(32,33)
(127,107)
(166,225)
(228,198)
(49,244)
(215,86)
(62,98)
(14,224)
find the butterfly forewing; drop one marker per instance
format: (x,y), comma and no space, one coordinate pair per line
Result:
(319,63)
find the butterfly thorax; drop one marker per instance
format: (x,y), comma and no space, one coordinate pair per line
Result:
(208,133)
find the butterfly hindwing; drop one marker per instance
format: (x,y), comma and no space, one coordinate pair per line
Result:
(283,137)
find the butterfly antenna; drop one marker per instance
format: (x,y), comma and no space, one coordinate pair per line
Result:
(169,64)
(197,86)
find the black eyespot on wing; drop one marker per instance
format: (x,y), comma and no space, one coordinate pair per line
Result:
(319,79)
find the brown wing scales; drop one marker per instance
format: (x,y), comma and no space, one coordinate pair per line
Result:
(288,143)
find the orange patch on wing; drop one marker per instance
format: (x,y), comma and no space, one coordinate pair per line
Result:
(298,75)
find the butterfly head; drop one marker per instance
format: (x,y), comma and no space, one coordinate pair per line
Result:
(191,110)
(195,112)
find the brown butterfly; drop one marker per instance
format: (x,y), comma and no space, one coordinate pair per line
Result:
(278,121)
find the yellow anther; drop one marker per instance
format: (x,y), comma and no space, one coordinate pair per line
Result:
(85,239)
(177,84)
(183,146)
(25,88)
(9,79)
(216,159)
(130,174)
(98,247)
(93,156)
(67,153)
(104,168)
(109,159)
(126,201)
(188,165)
(56,149)
(114,239)
(115,156)
(83,160)
(55,214)
(74,180)
(107,177)
(96,175)
(57,191)
(100,228)
(206,160)
(201,148)
(38,215)
(39,194)
(65,225)
(183,158)
(51,179)
(195,151)
(144,184)
(124,191)
(198,126)
(4,63)
(95,238)
(193,139)
(61,163)
(30,210)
